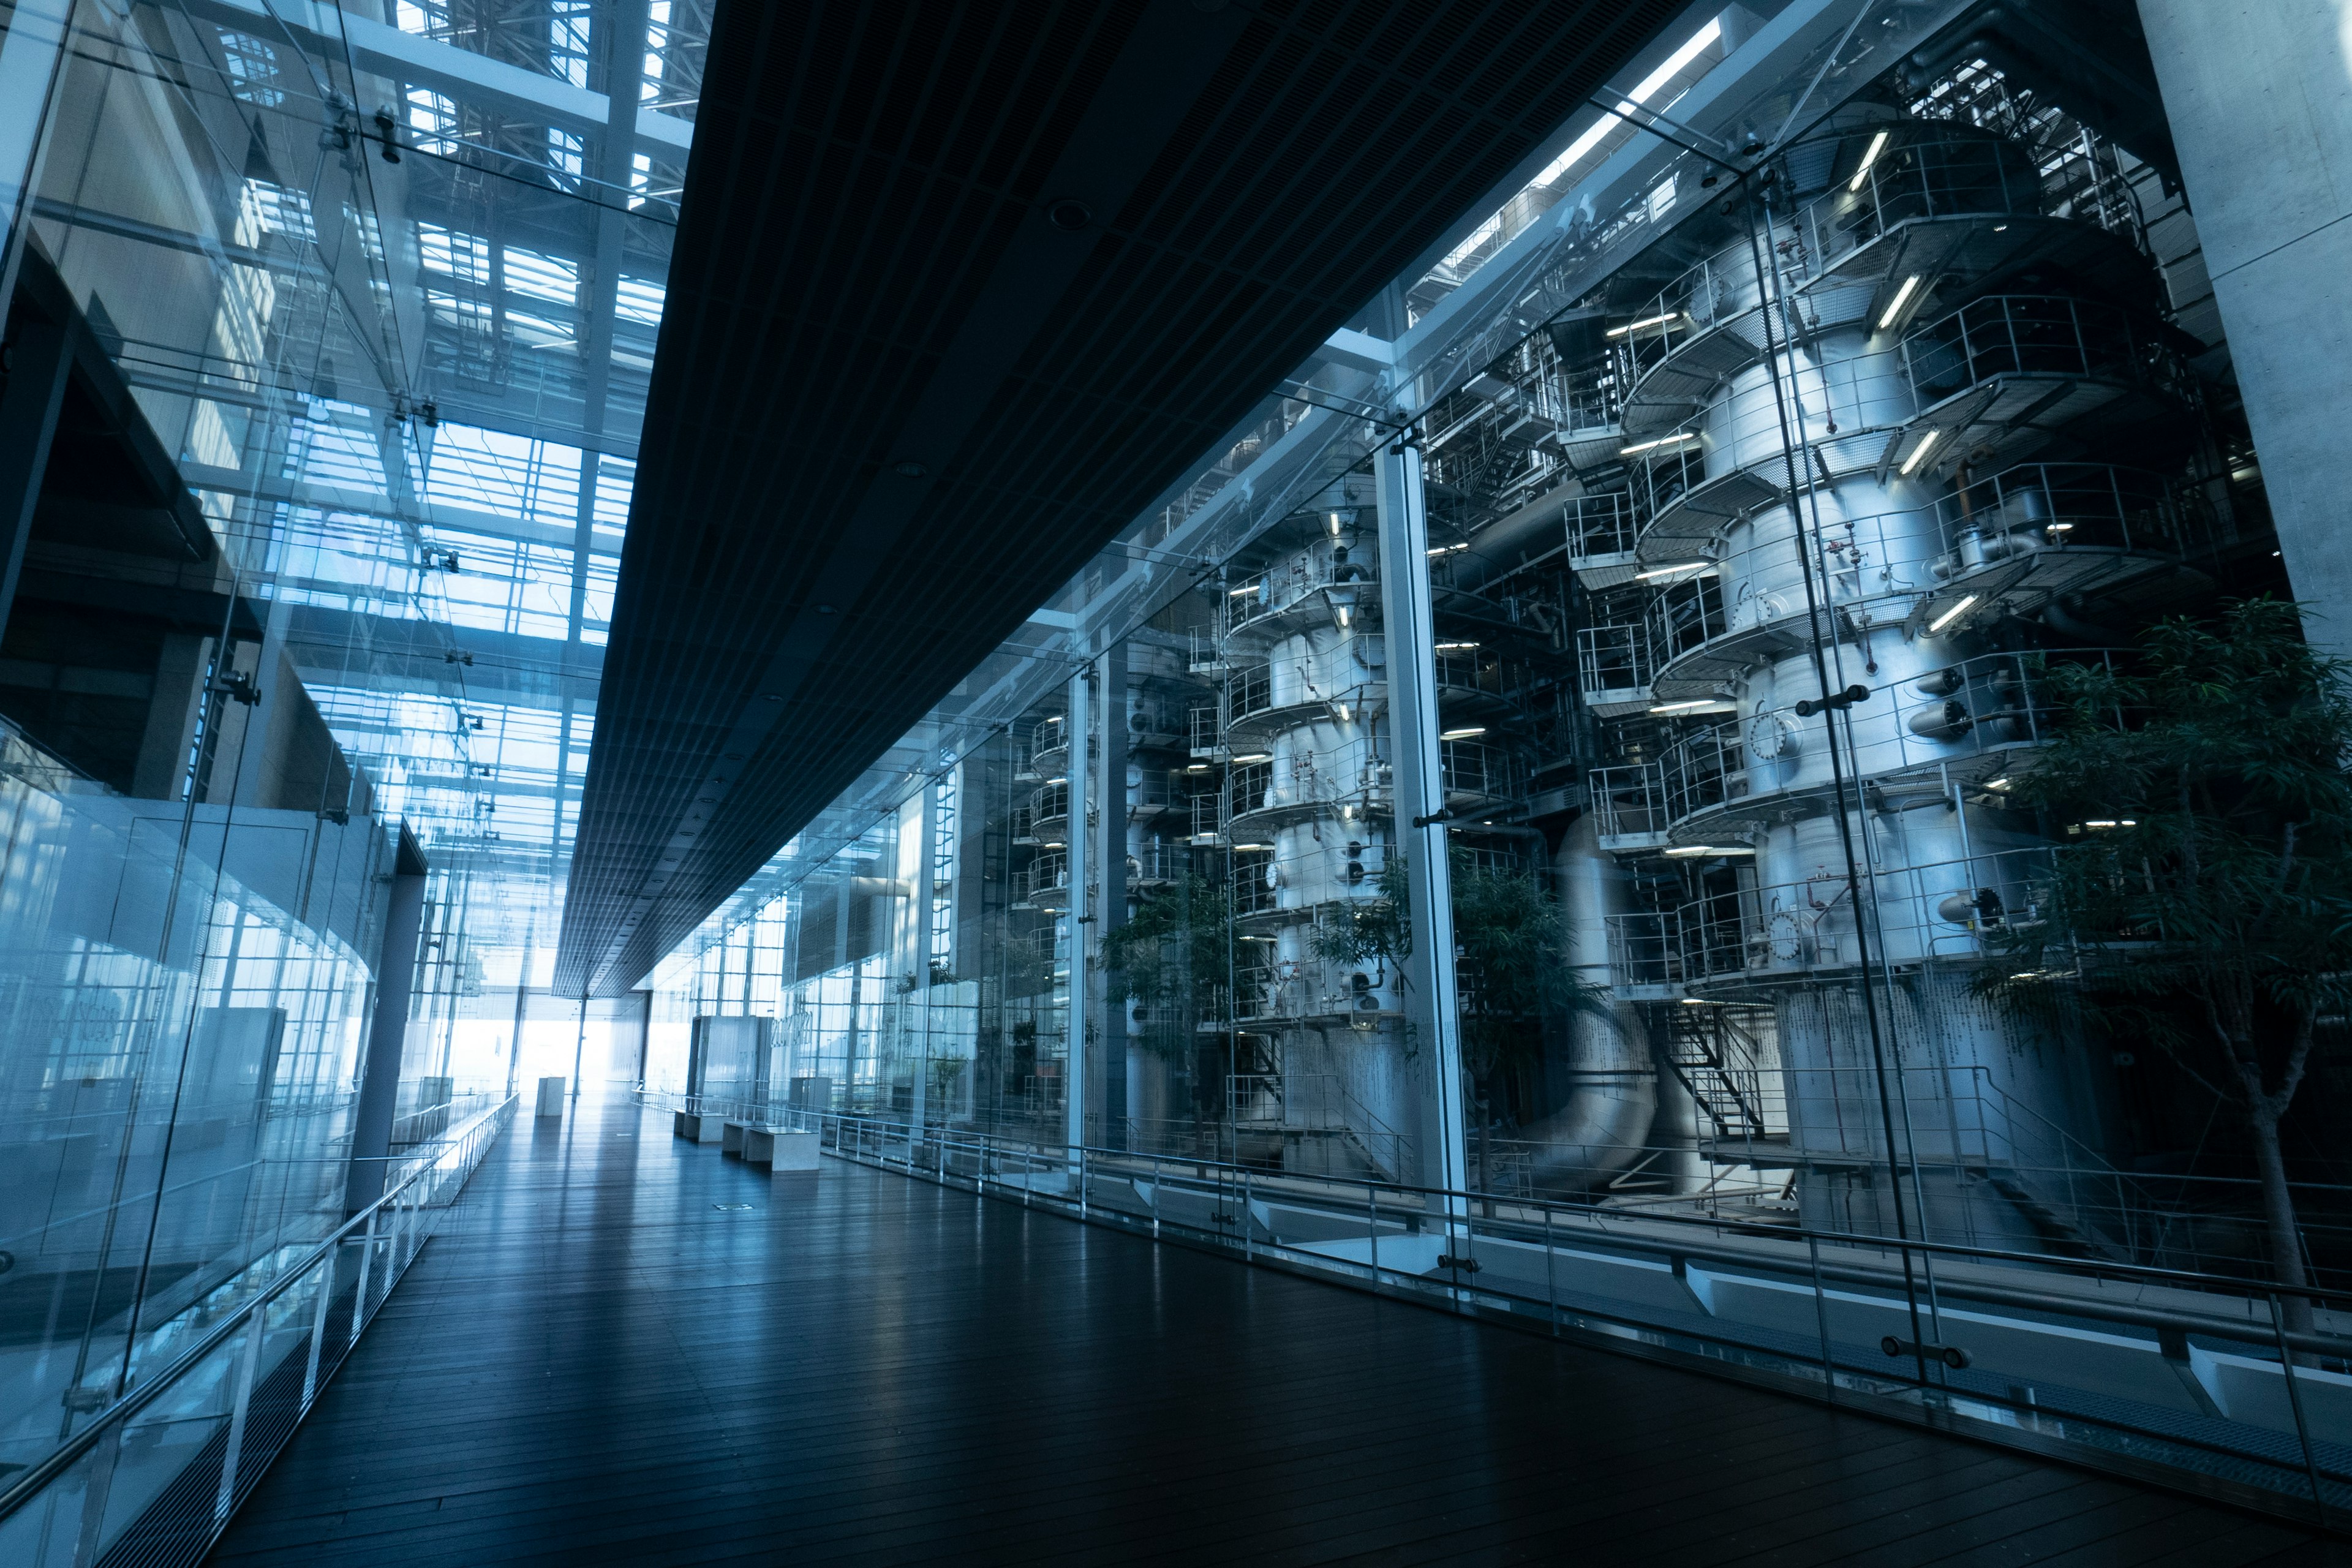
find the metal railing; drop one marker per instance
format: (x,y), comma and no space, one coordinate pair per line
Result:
(1249,691)
(1940,173)
(1294,580)
(155,1474)
(1044,877)
(1980,706)
(1474,769)
(1628,802)
(1158,861)
(1601,525)
(2087,1357)
(1611,660)
(1052,734)
(2034,334)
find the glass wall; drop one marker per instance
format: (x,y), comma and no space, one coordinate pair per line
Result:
(1807,972)
(330,348)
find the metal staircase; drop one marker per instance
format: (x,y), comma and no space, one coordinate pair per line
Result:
(1723,1055)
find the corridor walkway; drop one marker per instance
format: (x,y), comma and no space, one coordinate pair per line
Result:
(628,1350)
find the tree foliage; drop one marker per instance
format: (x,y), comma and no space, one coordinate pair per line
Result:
(1174,946)
(1506,927)
(2202,901)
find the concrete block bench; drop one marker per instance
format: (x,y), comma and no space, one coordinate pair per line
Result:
(701,1129)
(779,1149)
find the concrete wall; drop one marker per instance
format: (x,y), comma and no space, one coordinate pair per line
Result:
(2259,96)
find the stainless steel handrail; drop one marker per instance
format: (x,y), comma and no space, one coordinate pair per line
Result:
(468,1143)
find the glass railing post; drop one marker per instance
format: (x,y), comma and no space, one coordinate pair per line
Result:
(325,1289)
(1551,1274)
(367,1260)
(240,1402)
(1821,1316)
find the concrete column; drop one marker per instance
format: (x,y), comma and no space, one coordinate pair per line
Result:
(1432,1012)
(2259,93)
(1083,1015)
(395,979)
(1110,907)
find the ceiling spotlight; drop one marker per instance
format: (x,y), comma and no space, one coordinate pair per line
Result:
(911,469)
(1069,216)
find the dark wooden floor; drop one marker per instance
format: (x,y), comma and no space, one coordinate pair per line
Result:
(602,1360)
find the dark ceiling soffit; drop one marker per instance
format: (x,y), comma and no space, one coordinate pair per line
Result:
(682,805)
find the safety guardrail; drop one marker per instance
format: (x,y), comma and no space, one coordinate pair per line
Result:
(155,1475)
(2162,1373)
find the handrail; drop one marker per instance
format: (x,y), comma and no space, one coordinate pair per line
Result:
(1450,1199)
(429,1158)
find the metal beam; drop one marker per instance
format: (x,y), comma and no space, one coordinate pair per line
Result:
(1433,1046)
(386,51)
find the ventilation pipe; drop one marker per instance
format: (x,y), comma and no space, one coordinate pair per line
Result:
(1613,1096)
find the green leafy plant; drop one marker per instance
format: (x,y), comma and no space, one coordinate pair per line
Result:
(1373,930)
(1506,929)
(2202,899)
(1173,946)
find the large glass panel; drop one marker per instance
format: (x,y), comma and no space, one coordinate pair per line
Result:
(1768,564)
(350,353)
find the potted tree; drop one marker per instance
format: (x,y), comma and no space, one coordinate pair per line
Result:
(2201,898)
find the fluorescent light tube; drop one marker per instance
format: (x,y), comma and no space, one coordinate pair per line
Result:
(1919,453)
(1949,617)
(1902,295)
(1877,145)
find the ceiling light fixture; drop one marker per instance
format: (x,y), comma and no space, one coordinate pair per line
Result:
(1919,453)
(1645,321)
(1949,617)
(1901,297)
(1638,447)
(1472,733)
(1691,707)
(1877,145)
(1675,571)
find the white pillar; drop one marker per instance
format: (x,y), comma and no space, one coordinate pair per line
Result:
(2259,94)
(1432,1008)
(1081,852)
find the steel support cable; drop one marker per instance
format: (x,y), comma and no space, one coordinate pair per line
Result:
(1779,299)
(1837,784)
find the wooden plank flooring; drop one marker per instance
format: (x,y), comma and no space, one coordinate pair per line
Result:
(599,1361)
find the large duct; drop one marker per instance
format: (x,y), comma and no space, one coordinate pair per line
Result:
(1613,1094)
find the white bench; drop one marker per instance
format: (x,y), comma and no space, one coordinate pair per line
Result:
(780,1148)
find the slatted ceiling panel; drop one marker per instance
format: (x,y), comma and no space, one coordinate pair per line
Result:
(863,275)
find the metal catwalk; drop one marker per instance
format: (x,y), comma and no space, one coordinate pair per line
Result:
(627,1349)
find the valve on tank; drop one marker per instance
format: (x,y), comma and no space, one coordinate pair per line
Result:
(1946,720)
(1972,907)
